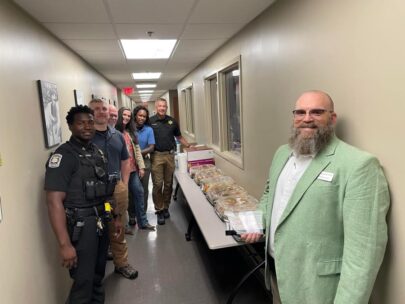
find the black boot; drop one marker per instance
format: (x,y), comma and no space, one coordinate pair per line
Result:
(160,218)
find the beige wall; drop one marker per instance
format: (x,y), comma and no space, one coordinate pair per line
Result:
(30,271)
(352,49)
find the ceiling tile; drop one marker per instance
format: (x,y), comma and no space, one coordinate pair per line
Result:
(118,77)
(103,60)
(228,11)
(92,28)
(124,84)
(180,66)
(93,45)
(211,31)
(181,59)
(147,65)
(81,30)
(139,31)
(88,11)
(197,48)
(143,11)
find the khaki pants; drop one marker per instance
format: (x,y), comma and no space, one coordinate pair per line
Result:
(162,178)
(118,244)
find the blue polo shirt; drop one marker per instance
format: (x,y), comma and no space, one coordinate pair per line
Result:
(145,137)
(112,143)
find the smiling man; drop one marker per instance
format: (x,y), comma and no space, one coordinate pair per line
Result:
(112,143)
(76,184)
(325,206)
(113,115)
(165,129)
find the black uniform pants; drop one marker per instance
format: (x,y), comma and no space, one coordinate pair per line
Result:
(91,250)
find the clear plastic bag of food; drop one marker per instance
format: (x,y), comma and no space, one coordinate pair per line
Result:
(235,204)
(195,169)
(238,223)
(207,183)
(204,174)
(224,190)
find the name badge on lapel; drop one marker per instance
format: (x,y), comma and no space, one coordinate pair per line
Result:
(326,176)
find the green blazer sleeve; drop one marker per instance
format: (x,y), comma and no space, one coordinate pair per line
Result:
(365,231)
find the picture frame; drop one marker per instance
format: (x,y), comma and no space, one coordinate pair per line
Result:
(79,97)
(49,102)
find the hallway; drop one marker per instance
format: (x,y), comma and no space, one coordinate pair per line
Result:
(173,271)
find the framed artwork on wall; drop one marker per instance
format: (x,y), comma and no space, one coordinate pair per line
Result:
(49,101)
(79,97)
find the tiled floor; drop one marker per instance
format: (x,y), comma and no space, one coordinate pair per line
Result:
(173,271)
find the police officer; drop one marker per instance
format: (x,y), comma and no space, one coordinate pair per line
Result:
(165,129)
(77,189)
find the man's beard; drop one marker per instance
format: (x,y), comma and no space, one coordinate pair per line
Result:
(311,145)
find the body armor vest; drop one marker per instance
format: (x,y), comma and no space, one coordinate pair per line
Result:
(89,184)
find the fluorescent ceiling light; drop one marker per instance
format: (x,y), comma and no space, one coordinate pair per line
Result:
(235,73)
(145,91)
(146,85)
(148,48)
(146,75)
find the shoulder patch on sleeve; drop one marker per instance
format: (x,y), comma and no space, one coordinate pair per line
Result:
(54,161)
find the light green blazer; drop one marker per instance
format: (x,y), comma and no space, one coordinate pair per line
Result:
(331,238)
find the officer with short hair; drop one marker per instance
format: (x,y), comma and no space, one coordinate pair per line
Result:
(77,188)
(165,129)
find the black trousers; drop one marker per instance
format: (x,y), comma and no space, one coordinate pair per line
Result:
(91,250)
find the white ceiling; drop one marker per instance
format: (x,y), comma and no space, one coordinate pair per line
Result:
(93,28)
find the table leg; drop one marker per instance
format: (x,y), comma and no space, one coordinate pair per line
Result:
(191,224)
(175,191)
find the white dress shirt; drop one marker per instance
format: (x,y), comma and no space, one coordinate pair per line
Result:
(288,179)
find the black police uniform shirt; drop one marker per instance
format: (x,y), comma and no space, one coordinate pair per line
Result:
(63,164)
(164,130)
(113,145)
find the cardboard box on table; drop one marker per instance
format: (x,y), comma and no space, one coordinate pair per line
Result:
(199,155)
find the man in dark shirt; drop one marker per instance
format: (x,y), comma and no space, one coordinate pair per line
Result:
(112,143)
(77,212)
(165,129)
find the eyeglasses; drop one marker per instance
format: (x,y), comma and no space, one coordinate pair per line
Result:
(313,113)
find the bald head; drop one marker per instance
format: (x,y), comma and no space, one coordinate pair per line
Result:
(113,112)
(320,98)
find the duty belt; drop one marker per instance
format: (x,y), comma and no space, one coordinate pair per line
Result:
(84,212)
(164,152)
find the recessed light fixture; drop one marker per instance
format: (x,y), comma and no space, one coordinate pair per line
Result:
(146,85)
(146,75)
(148,48)
(145,91)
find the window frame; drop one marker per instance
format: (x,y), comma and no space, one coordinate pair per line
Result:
(189,110)
(223,149)
(209,104)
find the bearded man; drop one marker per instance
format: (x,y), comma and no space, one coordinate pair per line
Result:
(324,207)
